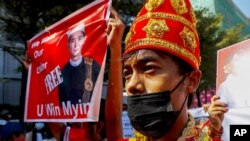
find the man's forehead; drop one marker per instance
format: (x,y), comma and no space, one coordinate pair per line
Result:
(77,33)
(143,55)
(147,52)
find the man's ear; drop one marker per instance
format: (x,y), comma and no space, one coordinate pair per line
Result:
(194,80)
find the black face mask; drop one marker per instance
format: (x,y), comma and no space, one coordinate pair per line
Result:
(152,114)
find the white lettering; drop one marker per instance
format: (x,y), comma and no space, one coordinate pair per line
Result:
(46,39)
(243,131)
(80,107)
(48,84)
(41,68)
(52,110)
(35,44)
(39,110)
(75,109)
(72,110)
(53,79)
(66,108)
(239,132)
(38,53)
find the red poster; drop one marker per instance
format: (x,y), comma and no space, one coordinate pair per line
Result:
(67,67)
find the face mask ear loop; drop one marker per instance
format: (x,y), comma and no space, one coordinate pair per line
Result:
(178,112)
(184,103)
(184,77)
(177,87)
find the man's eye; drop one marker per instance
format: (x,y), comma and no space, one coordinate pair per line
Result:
(72,41)
(80,38)
(126,74)
(149,69)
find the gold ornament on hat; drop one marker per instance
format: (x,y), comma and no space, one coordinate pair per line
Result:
(129,34)
(188,38)
(156,28)
(164,44)
(153,4)
(179,6)
(167,16)
(193,17)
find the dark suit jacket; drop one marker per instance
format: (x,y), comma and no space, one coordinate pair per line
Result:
(72,87)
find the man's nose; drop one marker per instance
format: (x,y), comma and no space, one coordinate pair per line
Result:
(72,45)
(75,44)
(135,85)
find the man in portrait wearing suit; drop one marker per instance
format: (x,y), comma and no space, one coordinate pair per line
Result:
(80,73)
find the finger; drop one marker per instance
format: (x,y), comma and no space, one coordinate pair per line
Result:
(214,98)
(107,30)
(111,20)
(218,103)
(111,24)
(108,27)
(114,13)
(26,58)
(216,113)
(205,107)
(116,24)
(218,109)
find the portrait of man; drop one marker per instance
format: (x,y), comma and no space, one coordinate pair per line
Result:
(80,73)
(234,89)
(233,84)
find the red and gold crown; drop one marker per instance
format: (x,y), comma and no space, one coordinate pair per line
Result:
(166,25)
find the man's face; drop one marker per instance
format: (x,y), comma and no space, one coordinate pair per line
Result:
(241,67)
(76,41)
(148,72)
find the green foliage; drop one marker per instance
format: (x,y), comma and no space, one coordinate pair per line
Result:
(24,18)
(230,36)
(20,20)
(128,10)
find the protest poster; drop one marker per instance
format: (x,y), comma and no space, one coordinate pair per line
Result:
(233,74)
(225,55)
(232,82)
(235,116)
(67,67)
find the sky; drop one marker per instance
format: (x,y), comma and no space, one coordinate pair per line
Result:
(244,6)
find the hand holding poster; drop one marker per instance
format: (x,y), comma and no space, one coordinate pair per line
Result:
(67,68)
